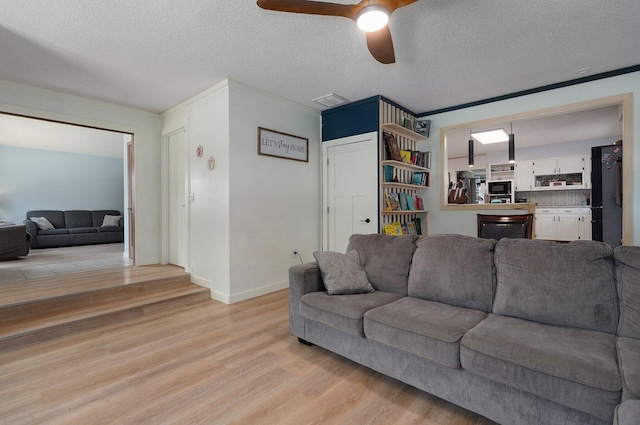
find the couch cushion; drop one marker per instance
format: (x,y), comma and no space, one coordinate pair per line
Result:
(426,328)
(386,259)
(629,361)
(628,282)
(83,230)
(558,284)
(628,413)
(454,269)
(54,216)
(343,312)
(341,273)
(110,229)
(573,367)
(78,218)
(53,232)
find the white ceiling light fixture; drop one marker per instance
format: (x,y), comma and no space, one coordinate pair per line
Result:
(330,100)
(372,18)
(491,136)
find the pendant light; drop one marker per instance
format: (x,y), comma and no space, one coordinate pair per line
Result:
(470,150)
(512,146)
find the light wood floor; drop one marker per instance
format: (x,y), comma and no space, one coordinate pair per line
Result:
(208,363)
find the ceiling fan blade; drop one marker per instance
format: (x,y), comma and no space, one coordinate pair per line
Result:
(381,46)
(392,4)
(311,7)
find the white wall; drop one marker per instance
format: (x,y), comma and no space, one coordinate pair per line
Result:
(36,179)
(464,222)
(251,211)
(42,103)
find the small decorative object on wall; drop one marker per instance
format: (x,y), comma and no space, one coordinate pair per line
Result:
(422,126)
(211,163)
(282,145)
(407,123)
(199,151)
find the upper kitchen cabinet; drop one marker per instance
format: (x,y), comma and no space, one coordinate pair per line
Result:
(557,173)
(523,175)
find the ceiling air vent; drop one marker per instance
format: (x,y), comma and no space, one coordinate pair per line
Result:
(330,100)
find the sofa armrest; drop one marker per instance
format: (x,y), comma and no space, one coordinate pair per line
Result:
(303,279)
(32,229)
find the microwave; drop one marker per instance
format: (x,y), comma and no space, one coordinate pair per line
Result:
(500,187)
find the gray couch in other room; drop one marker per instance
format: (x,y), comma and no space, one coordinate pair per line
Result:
(74,227)
(520,331)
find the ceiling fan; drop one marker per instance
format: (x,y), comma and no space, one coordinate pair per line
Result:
(377,11)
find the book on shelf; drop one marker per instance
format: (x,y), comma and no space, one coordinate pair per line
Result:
(411,226)
(393,202)
(405,229)
(406,156)
(411,203)
(403,201)
(419,203)
(389,229)
(391,146)
(416,223)
(398,228)
(420,178)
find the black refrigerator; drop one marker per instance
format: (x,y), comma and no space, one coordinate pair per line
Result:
(606,194)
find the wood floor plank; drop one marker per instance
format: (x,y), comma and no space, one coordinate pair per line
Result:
(207,363)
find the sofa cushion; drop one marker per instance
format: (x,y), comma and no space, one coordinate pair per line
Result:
(78,218)
(627,413)
(386,259)
(344,312)
(110,229)
(454,269)
(558,284)
(628,283)
(54,216)
(629,361)
(573,367)
(425,328)
(53,232)
(341,273)
(42,223)
(83,230)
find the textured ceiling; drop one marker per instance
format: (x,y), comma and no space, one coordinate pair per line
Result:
(154,54)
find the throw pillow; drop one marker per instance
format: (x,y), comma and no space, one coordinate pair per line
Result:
(42,223)
(111,220)
(342,273)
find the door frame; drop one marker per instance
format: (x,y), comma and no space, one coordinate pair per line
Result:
(325,177)
(165,195)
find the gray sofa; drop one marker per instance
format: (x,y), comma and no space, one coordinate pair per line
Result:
(520,331)
(74,227)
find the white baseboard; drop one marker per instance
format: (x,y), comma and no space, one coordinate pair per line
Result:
(246,295)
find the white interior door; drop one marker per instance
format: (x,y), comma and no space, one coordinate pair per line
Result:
(351,189)
(177,199)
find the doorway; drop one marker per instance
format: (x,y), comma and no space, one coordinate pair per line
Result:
(350,189)
(66,162)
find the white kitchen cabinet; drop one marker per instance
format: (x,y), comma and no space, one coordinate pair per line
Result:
(523,175)
(563,224)
(565,165)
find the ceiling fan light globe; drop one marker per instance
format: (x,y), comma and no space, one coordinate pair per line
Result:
(372,18)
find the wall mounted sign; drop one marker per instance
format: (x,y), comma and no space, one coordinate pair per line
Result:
(282,145)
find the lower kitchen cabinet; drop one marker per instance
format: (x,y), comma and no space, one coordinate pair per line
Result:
(563,224)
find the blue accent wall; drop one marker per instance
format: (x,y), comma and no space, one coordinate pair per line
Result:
(34,179)
(351,119)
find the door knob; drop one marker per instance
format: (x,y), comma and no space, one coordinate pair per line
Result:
(366,221)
